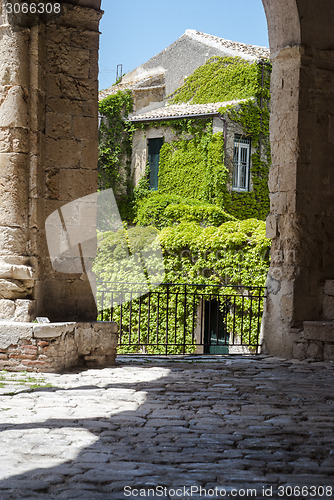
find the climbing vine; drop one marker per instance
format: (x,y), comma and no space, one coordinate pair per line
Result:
(192,214)
(197,165)
(194,165)
(165,210)
(219,79)
(115,146)
(253,115)
(233,253)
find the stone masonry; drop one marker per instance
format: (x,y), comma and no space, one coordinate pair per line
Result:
(48,157)
(48,153)
(56,347)
(237,424)
(301,180)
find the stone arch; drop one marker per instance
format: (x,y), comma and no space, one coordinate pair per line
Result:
(283,23)
(43,67)
(300,308)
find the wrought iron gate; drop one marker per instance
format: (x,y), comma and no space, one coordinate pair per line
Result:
(183,318)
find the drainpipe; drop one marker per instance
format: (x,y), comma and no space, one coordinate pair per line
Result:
(224,132)
(261,107)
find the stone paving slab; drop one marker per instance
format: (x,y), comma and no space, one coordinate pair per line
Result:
(190,427)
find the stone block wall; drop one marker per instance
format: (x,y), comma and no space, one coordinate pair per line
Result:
(56,347)
(48,153)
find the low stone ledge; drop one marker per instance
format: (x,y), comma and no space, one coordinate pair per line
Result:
(56,347)
(319,330)
(316,341)
(51,330)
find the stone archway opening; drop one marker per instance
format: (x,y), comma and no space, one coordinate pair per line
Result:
(48,153)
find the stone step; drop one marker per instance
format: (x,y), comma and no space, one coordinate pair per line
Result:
(319,330)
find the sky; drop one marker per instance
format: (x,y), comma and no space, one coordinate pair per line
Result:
(133,31)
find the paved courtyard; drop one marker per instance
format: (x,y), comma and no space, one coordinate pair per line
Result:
(220,427)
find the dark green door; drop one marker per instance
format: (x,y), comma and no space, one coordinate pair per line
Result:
(154,146)
(216,335)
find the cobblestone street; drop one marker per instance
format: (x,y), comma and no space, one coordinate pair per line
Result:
(226,424)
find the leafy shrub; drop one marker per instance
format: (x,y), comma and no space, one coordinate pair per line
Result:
(237,252)
(205,214)
(151,209)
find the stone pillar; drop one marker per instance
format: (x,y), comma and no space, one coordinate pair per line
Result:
(48,153)
(302,196)
(17,263)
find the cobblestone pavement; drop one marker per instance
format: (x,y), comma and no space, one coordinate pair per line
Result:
(154,428)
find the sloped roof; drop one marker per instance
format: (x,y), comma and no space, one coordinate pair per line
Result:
(183,110)
(138,85)
(244,50)
(234,49)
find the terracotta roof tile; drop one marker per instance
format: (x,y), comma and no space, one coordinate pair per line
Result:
(236,48)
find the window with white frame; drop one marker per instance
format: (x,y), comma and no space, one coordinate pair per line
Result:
(241,163)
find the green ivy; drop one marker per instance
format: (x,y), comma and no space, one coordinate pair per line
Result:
(115,148)
(237,252)
(219,79)
(233,253)
(191,210)
(163,210)
(253,115)
(195,166)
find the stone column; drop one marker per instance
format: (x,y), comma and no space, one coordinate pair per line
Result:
(302,195)
(17,264)
(71,146)
(48,153)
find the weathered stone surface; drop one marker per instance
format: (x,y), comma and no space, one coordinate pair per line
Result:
(48,151)
(328,307)
(101,430)
(12,333)
(300,350)
(319,330)
(329,351)
(55,347)
(329,287)
(13,110)
(315,350)
(52,330)
(7,308)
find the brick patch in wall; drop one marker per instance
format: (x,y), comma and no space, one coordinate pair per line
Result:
(55,347)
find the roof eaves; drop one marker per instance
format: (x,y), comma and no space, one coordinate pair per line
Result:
(173,117)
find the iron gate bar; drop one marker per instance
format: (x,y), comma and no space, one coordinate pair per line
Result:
(193,315)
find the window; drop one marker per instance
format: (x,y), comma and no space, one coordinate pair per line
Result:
(241,163)
(154,146)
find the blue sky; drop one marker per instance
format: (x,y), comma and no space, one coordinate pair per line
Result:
(133,31)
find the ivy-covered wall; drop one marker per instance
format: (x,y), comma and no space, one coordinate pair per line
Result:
(193,214)
(253,116)
(192,165)
(219,79)
(196,163)
(115,147)
(224,79)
